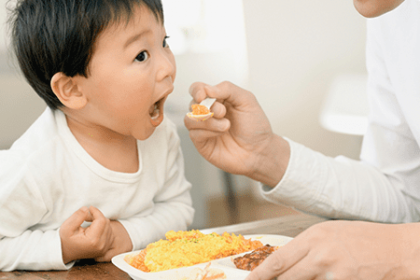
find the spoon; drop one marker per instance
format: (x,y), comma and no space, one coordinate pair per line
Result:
(208,102)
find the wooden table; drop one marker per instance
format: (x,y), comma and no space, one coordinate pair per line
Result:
(290,225)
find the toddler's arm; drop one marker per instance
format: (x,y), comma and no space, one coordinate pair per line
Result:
(31,250)
(172,214)
(22,245)
(37,250)
(171,208)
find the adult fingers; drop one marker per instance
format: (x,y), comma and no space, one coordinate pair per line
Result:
(212,124)
(200,136)
(280,261)
(74,222)
(304,270)
(225,91)
(198,91)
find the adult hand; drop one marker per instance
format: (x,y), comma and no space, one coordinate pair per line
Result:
(121,242)
(239,138)
(346,250)
(85,243)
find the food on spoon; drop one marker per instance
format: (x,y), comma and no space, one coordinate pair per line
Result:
(198,109)
(200,113)
(255,258)
(187,248)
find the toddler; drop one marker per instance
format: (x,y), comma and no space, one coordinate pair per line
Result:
(100,172)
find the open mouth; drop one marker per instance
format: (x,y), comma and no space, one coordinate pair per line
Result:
(156,112)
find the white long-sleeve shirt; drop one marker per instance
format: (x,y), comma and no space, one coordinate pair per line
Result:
(47,175)
(385,185)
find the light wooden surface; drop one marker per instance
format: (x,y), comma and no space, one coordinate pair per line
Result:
(290,225)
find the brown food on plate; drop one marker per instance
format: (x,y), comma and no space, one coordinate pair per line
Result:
(255,258)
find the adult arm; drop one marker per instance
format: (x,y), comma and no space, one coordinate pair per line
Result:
(381,187)
(239,139)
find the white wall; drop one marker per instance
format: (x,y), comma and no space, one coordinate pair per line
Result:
(3,18)
(19,104)
(295,48)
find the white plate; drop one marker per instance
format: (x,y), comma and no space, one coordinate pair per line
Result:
(226,264)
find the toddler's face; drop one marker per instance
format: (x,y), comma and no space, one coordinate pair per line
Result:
(374,8)
(130,75)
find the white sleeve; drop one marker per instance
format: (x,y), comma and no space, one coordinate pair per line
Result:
(32,250)
(336,188)
(383,186)
(21,207)
(172,209)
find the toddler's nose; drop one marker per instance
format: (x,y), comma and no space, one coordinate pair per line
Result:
(167,66)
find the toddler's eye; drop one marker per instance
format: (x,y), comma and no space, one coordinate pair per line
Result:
(142,56)
(165,44)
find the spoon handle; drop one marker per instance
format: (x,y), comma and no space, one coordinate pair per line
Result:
(208,102)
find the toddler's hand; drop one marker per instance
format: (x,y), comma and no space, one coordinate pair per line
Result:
(84,243)
(121,242)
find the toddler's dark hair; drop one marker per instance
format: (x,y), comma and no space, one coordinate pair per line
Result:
(51,36)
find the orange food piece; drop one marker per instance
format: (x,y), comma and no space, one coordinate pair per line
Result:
(138,261)
(199,109)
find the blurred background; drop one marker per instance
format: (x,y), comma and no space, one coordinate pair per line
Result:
(303,59)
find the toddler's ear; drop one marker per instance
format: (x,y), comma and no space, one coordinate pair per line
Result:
(67,91)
